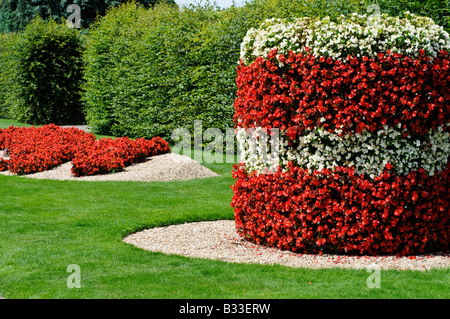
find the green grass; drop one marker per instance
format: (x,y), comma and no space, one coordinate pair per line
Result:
(7,123)
(48,225)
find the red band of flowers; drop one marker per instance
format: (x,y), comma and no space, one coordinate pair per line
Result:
(361,94)
(340,212)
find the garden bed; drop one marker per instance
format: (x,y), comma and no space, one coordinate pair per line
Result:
(54,152)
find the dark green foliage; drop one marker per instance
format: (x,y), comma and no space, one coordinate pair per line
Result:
(149,72)
(16,14)
(8,68)
(47,74)
(438,10)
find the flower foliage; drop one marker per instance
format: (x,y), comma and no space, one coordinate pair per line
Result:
(361,94)
(113,155)
(36,149)
(342,212)
(3,164)
(364,145)
(368,153)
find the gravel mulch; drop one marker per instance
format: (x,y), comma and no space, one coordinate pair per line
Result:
(166,167)
(219,240)
(85,128)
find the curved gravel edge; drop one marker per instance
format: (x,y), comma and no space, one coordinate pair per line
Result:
(218,240)
(165,167)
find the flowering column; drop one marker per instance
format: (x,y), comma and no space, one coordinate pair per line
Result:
(363,114)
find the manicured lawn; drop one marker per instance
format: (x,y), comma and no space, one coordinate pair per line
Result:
(48,225)
(7,123)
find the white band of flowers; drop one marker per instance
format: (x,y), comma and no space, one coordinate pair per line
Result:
(367,152)
(355,35)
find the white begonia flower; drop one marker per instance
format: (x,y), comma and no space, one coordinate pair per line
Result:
(367,152)
(328,38)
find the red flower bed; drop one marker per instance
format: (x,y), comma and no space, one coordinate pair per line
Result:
(112,155)
(340,212)
(37,149)
(362,93)
(3,164)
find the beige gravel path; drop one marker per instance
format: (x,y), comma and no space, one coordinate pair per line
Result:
(219,240)
(166,167)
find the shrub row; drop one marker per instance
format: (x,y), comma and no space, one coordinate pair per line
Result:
(8,67)
(41,74)
(149,72)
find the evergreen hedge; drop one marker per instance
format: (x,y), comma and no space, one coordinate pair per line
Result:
(8,67)
(151,71)
(46,73)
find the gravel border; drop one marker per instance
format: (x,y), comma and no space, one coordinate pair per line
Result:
(165,167)
(218,240)
(85,128)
